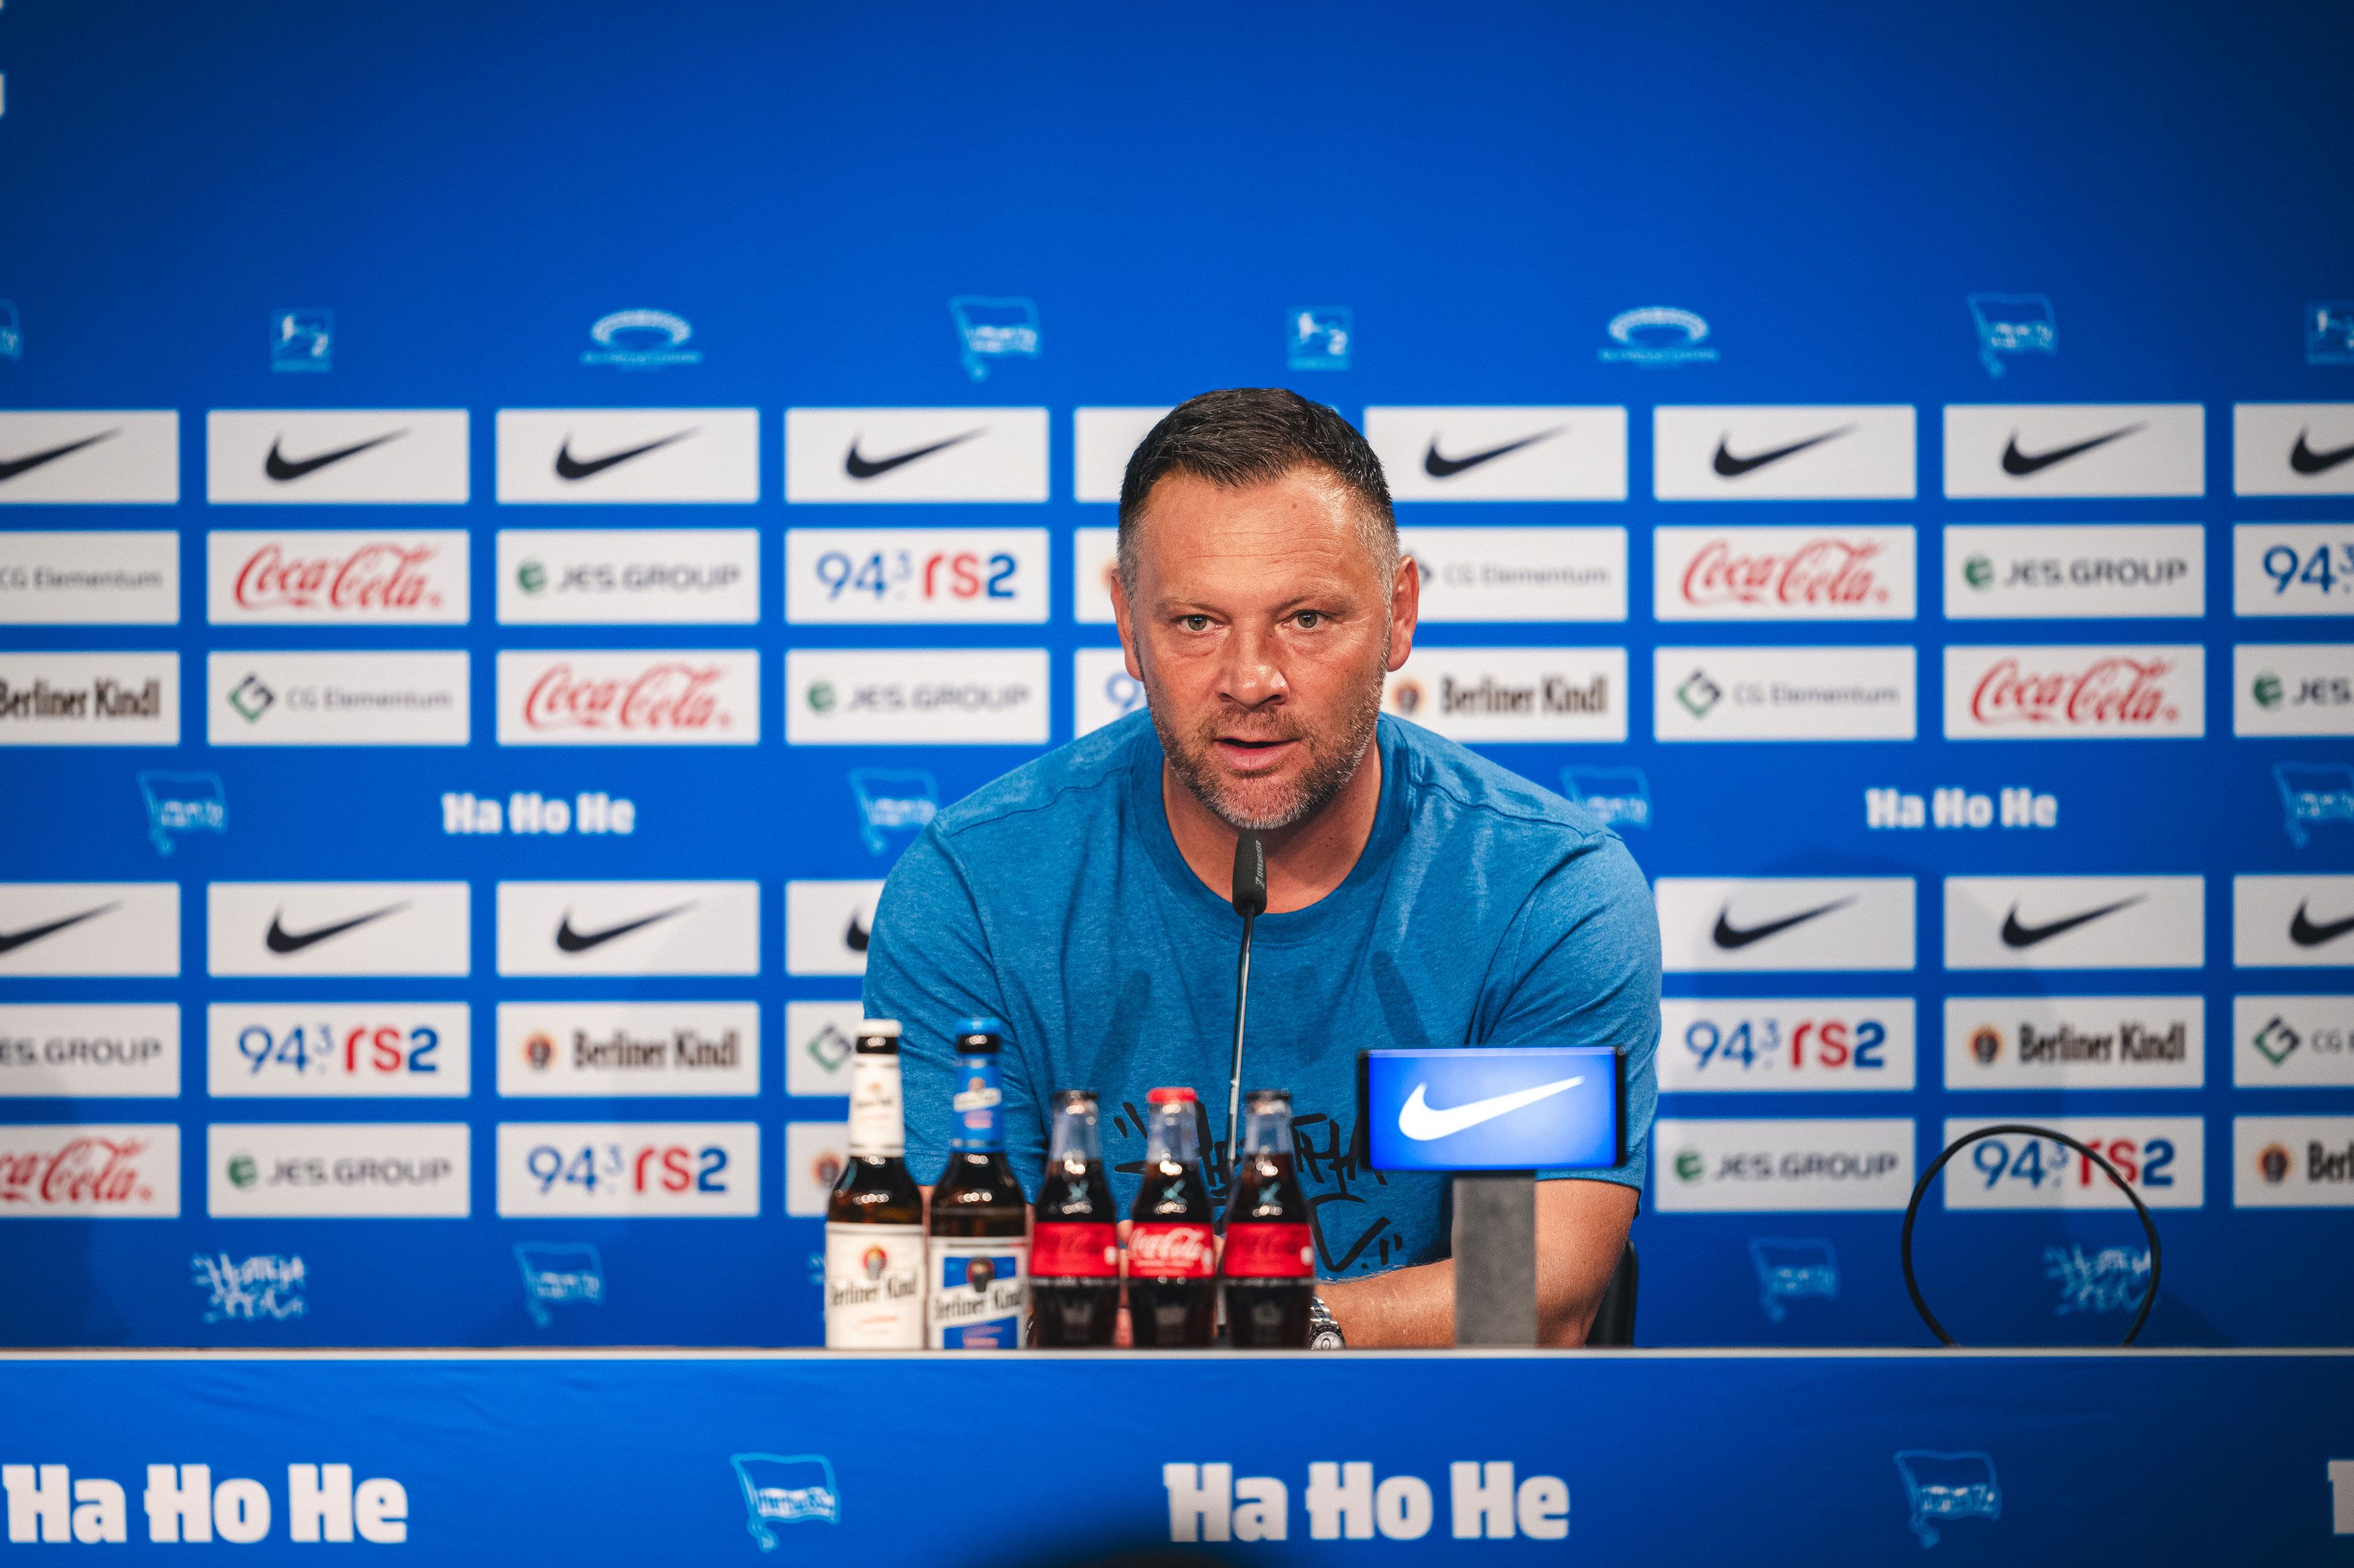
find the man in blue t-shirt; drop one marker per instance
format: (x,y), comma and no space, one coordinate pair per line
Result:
(1417,894)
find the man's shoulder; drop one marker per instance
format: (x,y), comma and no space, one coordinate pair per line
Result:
(1452,778)
(1090,775)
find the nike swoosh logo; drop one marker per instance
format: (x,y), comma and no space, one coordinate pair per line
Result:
(2015,934)
(1734,466)
(281,940)
(281,469)
(571,467)
(1418,1119)
(12,940)
(856,938)
(867,467)
(1448,468)
(2019,464)
(2306,934)
(12,467)
(2305,459)
(1729,936)
(568,941)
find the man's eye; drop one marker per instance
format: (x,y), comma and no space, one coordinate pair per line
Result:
(1197,623)
(1309,619)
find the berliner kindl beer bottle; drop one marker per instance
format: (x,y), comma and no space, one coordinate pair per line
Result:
(1074,1237)
(1172,1263)
(979,1236)
(1270,1260)
(874,1216)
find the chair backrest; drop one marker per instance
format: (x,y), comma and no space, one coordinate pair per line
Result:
(1614,1320)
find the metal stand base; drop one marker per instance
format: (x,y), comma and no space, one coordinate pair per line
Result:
(1496,1258)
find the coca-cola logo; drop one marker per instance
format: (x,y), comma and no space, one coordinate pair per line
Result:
(1824,573)
(2115,690)
(670,694)
(1171,1250)
(84,1173)
(379,576)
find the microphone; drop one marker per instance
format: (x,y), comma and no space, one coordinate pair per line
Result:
(1250,902)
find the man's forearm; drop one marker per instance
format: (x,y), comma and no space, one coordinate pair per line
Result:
(1581,1231)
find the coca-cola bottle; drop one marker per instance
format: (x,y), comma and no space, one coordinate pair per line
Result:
(1074,1237)
(1173,1267)
(1270,1265)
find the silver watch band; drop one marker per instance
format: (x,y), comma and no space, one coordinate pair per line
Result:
(1323,1331)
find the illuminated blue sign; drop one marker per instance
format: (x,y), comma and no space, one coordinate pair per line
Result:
(1493,1108)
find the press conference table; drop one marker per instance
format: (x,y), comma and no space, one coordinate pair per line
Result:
(1764,1458)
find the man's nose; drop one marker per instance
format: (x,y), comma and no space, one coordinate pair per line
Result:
(1253,675)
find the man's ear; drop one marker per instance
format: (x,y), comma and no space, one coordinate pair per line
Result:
(1406,612)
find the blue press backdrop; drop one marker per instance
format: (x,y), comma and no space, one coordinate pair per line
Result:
(469,188)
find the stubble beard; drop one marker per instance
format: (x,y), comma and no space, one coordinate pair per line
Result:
(1334,754)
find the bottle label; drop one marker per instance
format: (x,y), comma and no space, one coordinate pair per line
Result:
(979,1292)
(1269,1251)
(1163,1249)
(876,1126)
(873,1288)
(1069,1249)
(978,1122)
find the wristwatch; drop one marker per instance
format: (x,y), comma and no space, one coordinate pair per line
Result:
(1324,1332)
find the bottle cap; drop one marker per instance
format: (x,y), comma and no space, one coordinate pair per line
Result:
(878,1026)
(1172,1096)
(980,1026)
(1071,1099)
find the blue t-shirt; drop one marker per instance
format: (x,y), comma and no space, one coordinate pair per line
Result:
(1483,911)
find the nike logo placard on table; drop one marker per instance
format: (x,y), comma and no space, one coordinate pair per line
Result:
(629,928)
(306,457)
(2293,449)
(1501,1108)
(2292,922)
(914,454)
(2005,451)
(1783,452)
(1425,1123)
(641,456)
(95,455)
(2075,922)
(1501,454)
(89,928)
(1796,923)
(338,928)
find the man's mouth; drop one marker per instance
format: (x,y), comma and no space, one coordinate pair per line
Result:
(1246,753)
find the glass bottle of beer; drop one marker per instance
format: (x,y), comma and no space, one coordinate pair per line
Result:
(1270,1261)
(1172,1285)
(1074,1237)
(979,1236)
(874,1215)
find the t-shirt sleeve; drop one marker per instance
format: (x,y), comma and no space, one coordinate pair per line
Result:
(1583,955)
(928,965)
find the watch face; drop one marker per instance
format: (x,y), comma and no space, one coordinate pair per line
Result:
(1329,1340)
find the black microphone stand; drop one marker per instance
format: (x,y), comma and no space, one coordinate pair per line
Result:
(1250,902)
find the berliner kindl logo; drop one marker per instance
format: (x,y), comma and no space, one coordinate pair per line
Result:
(1986,1045)
(2272,1164)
